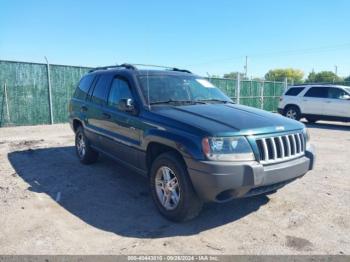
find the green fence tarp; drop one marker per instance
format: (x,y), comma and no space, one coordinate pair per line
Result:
(26,101)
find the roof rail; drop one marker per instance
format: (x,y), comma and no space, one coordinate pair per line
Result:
(133,67)
(165,67)
(127,66)
(311,84)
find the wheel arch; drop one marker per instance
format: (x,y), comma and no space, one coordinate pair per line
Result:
(155,149)
(76,123)
(291,105)
(157,142)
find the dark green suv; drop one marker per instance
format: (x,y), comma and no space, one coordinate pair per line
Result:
(192,142)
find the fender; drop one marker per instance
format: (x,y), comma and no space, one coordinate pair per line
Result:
(188,145)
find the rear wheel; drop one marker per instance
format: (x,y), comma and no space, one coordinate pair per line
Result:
(172,190)
(84,152)
(292,112)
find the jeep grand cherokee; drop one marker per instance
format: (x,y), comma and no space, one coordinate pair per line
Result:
(191,141)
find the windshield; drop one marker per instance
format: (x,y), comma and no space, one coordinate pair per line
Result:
(166,88)
(347,89)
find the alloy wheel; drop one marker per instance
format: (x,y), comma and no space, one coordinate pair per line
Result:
(291,113)
(167,188)
(81,146)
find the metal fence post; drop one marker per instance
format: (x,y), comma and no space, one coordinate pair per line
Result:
(7,103)
(238,90)
(285,83)
(262,94)
(50,94)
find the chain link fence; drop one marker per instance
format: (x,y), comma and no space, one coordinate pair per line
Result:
(38,93)
(259,94)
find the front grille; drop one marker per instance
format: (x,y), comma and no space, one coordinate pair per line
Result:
(281,148)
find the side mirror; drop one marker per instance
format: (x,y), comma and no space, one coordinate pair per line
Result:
(126,105)
(345,97)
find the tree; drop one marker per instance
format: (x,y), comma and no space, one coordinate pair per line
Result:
(291,74)
(347,79)
(233,75)
(323,77)
(311,77)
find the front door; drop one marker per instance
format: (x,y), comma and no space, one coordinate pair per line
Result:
(339,103)
(122,138)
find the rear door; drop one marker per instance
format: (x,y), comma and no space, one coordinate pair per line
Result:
(122,138)
(94,108)
(339,104)
(80,100)
(315,100)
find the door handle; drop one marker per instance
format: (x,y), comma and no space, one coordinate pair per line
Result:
(328,102)
(83,109)
(105,115)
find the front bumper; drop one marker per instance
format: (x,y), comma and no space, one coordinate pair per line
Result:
(223,181)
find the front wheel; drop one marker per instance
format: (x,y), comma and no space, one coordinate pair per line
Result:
(172,190)
(292,112)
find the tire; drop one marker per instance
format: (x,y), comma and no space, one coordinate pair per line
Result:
(292,112)
(84,152)
(182,203)
(311,120)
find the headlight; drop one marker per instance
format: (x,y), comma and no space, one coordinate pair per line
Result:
(227,149)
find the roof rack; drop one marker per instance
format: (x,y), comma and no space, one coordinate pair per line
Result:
(311,84)
(166,67)
(127,66)
(133,67)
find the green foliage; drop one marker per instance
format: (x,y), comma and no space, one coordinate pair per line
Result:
(233,75)
(291,74)
(323,77)
(311,77)
(347,79)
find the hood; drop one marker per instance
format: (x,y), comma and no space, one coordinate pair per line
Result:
(229,119)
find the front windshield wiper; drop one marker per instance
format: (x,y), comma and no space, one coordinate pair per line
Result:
(216,100)
(171,101)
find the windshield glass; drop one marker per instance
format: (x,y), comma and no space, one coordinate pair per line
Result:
(347,89)
(165,88)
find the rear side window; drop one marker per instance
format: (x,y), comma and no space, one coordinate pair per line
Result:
(84,86)
(100,91)
(317,91)
(119,90)
(294,91)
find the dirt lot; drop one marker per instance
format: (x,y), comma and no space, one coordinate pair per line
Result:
(51,204)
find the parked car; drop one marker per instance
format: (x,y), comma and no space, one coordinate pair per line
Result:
(316,102)
(191,141)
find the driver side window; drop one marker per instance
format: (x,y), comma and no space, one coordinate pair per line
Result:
(119,90)
(336,93)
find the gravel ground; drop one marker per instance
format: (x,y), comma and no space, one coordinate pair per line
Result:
(51,204)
